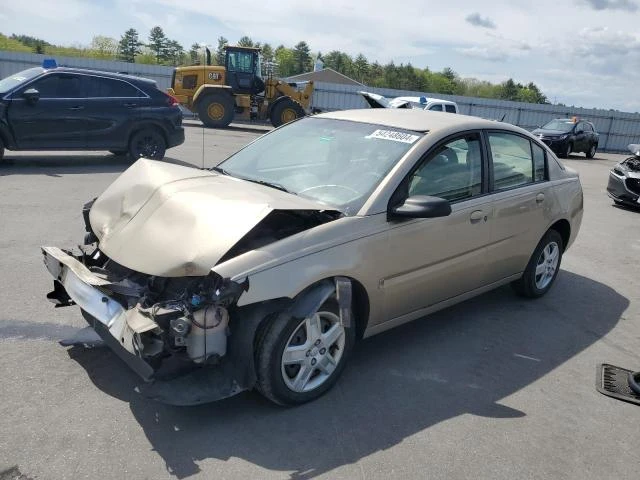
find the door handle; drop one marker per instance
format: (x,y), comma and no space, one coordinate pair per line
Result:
(130,105)
(77,107)
(477,215)
(540,198)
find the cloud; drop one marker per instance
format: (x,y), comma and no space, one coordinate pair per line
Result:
(627,5)
(484,53)
(477,21)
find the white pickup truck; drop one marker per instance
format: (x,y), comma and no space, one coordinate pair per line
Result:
(421,103)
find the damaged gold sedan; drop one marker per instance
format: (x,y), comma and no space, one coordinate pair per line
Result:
(264,271)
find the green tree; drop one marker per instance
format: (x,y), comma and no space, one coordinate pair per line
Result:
(158,43)
(509,90)
(267,52)
(174,52)
(104,47)
(302,57)
(361,68)
(245,42)
(285,60)
(222,42)
(129,46)
(194,53)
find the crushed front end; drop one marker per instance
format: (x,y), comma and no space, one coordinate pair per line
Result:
(163,328)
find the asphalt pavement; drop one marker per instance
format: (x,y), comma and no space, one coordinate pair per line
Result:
(494,388)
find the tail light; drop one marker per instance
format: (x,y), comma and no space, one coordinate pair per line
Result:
(172,101)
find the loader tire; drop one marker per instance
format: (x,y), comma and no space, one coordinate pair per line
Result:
(286,111)
(216,110)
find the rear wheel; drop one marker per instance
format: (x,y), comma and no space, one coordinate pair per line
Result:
(592,151)
(216,110)
(298,360)
(147,143)
(286,111)
(542,268)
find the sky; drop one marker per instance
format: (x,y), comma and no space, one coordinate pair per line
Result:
(579,52)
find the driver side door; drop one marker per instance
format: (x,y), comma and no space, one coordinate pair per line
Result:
(57,119)
(432,260)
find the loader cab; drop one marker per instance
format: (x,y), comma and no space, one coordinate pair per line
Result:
(244,72)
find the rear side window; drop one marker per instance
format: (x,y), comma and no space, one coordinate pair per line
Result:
(512,160)
(436,108)
(58,86)
(450,108)
(100,87)
(540,171)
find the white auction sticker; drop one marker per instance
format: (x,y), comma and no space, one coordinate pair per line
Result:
(395,136)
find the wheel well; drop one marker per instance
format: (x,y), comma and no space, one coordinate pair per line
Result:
(360,301)
(564,229)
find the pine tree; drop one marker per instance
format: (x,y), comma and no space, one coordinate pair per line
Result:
(129,46)
(222,42)
(302,57)
(158,43)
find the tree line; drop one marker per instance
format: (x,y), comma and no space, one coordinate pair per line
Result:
(284,62)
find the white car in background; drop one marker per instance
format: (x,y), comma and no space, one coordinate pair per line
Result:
(420,103)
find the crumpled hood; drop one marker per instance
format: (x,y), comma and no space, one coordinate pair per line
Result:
(171,221)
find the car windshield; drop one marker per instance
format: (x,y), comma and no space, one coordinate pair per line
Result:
(336,162)
(16,79)
(559,125)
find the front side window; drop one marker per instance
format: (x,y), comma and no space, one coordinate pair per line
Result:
(336,162)
(436,108)
(453,171)
(59,85)
(241,62)
(512,160)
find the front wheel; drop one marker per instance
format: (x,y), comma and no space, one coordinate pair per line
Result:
(216,110)
(592,151)
(1,150)
(298,360)
(543,267)
(566,151)
(147,143)
(286,111)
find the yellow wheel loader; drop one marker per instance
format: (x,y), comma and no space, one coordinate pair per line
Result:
(238,91)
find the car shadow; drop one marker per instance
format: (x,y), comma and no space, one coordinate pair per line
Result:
(65,164)
(463,360)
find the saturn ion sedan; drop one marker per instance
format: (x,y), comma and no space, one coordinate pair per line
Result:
(266,270)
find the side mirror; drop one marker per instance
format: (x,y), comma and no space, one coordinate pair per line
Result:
(31,95)
(422,206)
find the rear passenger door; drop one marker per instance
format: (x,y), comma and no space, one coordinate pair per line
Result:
(522,201)
(113,106)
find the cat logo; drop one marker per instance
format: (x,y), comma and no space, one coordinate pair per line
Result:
(214,76)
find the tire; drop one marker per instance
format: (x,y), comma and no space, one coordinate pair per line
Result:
(277,380)
(216,110)
(1,149)
(535,285)
(592,150)
(147,143)
(286,111)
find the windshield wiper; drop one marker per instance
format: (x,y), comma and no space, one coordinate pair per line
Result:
(275,185)
(220,170)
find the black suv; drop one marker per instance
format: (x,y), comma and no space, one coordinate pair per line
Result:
(568,135)
(56,108)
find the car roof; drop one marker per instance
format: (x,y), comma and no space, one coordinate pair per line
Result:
(118,76)
(417,120)
(426,100)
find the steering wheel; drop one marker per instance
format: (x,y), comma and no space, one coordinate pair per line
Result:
(341,187)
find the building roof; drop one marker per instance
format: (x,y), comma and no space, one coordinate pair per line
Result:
(328,75)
